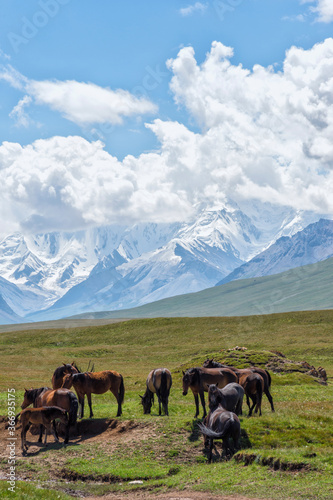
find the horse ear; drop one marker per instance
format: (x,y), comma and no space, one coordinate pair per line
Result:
(217,384)
(73,363)
(26,390)
(141,396)
(183,372)
(64,364)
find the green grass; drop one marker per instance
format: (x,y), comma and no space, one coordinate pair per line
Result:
(284,455)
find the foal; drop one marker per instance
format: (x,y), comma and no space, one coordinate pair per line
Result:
(42,416)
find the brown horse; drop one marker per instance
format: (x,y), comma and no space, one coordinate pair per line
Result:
(210,363)
(198,379)
(96,383)
(59,373)
(253,386)
(159,381)
(221,424)
(63,398)
(43,416)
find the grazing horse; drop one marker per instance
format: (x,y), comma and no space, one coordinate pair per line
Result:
(43,416)
(96,383)
(253,386)
(198,379)
(159,381)
(59,373)
(221,424)
(63,398)
(210,363)
(230,397)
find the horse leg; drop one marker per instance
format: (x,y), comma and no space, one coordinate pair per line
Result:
(254,400)
(41,428)
(210,450)
(269,397)
(55,433)
(81,403)
(202,399)
(24,438)
(89,403)
(196,400)
(116,394)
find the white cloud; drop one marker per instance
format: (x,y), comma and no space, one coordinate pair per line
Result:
(87,103)
(68,183)
(264,135)
(80,102)
(323,9)
(19,114)
(191,9)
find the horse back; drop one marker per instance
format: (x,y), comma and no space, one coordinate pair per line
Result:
(100,382)
(220,376)
(56,397)
(155,377)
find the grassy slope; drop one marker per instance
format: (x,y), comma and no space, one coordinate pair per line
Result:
(300,432)
(300,289)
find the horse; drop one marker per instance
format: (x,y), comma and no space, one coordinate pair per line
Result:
(63,398)
(96,383)
(221,424)
(43,416)
(198,379)
(253,386)
(210,363)
(159,381)
(230,397)
(59,373)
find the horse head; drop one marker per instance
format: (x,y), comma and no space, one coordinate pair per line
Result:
(187,380)
(147,401)
(67,381)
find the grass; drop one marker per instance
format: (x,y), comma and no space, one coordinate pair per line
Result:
(284,455)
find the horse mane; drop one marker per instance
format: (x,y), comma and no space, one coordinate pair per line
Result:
(34,393)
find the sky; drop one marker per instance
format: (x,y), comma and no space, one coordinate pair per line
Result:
(125,112)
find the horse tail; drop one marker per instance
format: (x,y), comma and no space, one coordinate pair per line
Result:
(269,378)
(73,408)
(207,431)
(164,386)
(121,392)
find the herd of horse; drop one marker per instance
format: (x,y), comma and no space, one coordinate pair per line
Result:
(226,387)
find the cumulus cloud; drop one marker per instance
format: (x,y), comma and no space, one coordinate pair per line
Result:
(323,9)
(263,134)
(70,183)
(191,9)
(80,102)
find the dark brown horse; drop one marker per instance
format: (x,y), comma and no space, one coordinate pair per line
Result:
(210,363)
(41,416)
(89,383)
(230,397)
(63,398)
(253,386)
(159,382)
(221,424)
(60,372)
(198,379)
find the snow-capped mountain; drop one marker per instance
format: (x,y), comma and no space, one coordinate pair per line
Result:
(312,244)
(116,267)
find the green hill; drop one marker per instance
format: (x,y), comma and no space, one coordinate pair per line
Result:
(300,289)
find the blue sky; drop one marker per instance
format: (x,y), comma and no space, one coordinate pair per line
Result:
(61,59)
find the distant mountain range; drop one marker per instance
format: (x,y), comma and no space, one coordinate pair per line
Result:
(303,288)
(55,275)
